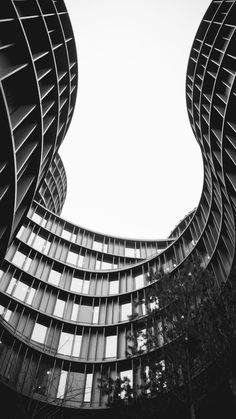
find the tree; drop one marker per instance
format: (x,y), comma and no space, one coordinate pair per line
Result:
(188,330)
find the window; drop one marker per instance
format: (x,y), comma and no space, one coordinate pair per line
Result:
(154,304)
(95,314)
(59,308)
(76,284)
(46,247)
(27,263)
(97,246)
(155,373)
(74,313)
(142,340)
(36,218)
(11,285)
(54,277)
(138,253)
(111,346)
(39,333)
(113,287)
(30,296)
(20,232)
(126,311)
(77,345)
(127,374)
(88,387)
(128,377)
(73,238)
(62,385)
(139,281)
(106,265)
(85,287)
(71,258)
(65,343)
(7,315)
(81,261)
(39,243)
(20,291)
(143,308)
(19,259)
(129,253)
(105,248)
(66,234)
(98,264)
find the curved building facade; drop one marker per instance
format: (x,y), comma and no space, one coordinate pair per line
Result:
(38,81)
(52,192)
(66,293)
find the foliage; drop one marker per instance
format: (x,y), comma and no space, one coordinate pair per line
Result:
(191,320)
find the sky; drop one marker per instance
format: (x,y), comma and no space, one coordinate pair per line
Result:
(133,166)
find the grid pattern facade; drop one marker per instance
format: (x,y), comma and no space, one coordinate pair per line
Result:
(67,292)
(38,81)
(52,192)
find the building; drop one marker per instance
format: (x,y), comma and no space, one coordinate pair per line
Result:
(66,293)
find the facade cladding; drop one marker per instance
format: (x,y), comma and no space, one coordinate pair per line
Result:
(66,293)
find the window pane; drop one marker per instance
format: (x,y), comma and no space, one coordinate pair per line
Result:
(139,281)
(98,264)
(72,258)
(77,345)
(54,277)
(81,261)
(74,313)
(39,244)
(111,346)
(59,308)
(20,291)
(105,248)
(66,234)
(113,287)
(154,304)
(95,314)
(11,285)
(86,287)
(62,385)
(97,246)
(65,343)
(126,310)
(20,232)
(19,259)
(30,296)
(106,265)
(128,377)
(39,333)
(7,315)
(76,285)
(31,238)
(88,387)
(35,217)
(129,252)
(27,263)
(46,247)
(142,340)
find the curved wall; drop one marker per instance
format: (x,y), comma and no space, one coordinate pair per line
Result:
(67,292)
(38,82)
(52,192)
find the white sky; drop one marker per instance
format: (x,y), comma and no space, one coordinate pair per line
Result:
(133,166)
